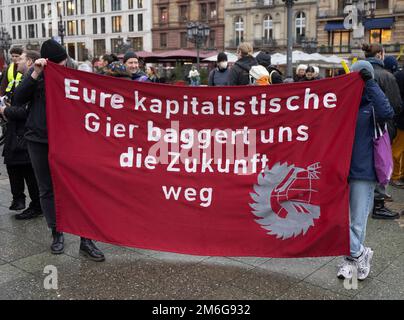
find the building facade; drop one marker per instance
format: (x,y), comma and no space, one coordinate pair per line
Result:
(92,27)
(170,19)
(264,23)
(386,27)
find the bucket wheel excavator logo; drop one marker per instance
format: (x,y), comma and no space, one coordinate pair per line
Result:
(283,199)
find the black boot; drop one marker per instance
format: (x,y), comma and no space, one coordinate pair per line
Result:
(57,246)
(89,250)
(381,212)
(29,213)
(17,204)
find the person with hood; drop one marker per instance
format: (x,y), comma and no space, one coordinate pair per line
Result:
(219,76)
(239,74)
(131,62)
(264,59)
(309,74)
(374,53)
(15,153)
(32,92)
(300,73)
(397,178)
(362,176)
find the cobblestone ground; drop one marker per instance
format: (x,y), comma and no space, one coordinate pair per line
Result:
(144,274)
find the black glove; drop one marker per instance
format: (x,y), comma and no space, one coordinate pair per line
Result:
(366,74)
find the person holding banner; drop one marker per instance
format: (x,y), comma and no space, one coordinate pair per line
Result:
(239,74)
(362,175)
(374,53)
(32,91)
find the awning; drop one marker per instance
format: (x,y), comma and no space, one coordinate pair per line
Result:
(379,23)
(334,25)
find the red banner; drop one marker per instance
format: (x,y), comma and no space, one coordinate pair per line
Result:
(229,171)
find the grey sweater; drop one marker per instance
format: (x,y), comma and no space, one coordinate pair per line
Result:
(218,77)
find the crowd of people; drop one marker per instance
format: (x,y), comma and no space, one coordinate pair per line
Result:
(26,144)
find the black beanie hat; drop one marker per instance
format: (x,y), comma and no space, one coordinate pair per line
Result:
(221,57)
(53,51)
(129,55)
(264,59)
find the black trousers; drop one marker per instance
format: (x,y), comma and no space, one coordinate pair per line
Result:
(18,174)
(38,153)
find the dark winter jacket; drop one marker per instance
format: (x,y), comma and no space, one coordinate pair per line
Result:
(32,92)
(15,146)
(362,162)
(399,75)
(218,77)
(275,75)
(239,74)
(387,83)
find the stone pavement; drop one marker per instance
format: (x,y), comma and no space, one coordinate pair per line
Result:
(145,274)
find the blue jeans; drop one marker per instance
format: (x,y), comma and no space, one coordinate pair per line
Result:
(360,203)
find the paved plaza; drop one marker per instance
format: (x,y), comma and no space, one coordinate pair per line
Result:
(131,273)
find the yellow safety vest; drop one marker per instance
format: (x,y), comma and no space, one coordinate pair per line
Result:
(10,77)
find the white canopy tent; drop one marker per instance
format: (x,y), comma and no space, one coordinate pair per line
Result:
(231,57)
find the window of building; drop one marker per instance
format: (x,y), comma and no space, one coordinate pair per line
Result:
(163,40)
(42,11)
(131,23)
(30,13)
(50,29)
(183,13)
(300,25)
(183,40)
(268,27)
(115,5)
(117,24)
(81,51)
(19,32)
(340,41)
(14,33)
(83,27)
(12,14)
(212,10)
(382,4)
(43,30)
(140,22)
(140,5)
(99,47)
(136,43)
(102,25)
(82,7)
(18,14)
(380,36)
(203,11)
(59,8)
(70,8)
(130,4)
(94,6)
(212,39)
(31,31)
(116,44)
(239,30)
(71,28)
(163,15)
(95,29)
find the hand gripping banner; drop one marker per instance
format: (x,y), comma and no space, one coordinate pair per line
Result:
(229,171)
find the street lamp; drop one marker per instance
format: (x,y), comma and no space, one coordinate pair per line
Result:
(197,33)
(289,67)
(5,42)
(61,30)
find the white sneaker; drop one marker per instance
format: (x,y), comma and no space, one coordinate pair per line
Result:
(364,263)
(347,267)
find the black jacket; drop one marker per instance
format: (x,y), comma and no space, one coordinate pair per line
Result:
(399,75)
(239,74)
(15,146)
(387,83)
(32,92)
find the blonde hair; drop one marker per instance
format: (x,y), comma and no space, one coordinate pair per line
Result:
(245,49)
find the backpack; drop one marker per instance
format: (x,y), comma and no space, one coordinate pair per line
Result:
(259,75)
